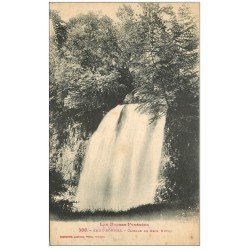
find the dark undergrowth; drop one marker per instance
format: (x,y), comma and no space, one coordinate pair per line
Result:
(64,211)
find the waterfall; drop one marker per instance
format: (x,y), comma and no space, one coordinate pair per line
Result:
(122,161)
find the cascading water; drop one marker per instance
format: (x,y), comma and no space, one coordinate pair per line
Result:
(122,161)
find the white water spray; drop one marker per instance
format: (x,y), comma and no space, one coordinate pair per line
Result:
(122,161)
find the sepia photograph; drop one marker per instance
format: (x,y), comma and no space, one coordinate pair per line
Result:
(124,123)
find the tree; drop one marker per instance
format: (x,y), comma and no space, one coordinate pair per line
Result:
(86,81)
(162,50)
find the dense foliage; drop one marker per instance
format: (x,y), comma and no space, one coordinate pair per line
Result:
(149,57)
